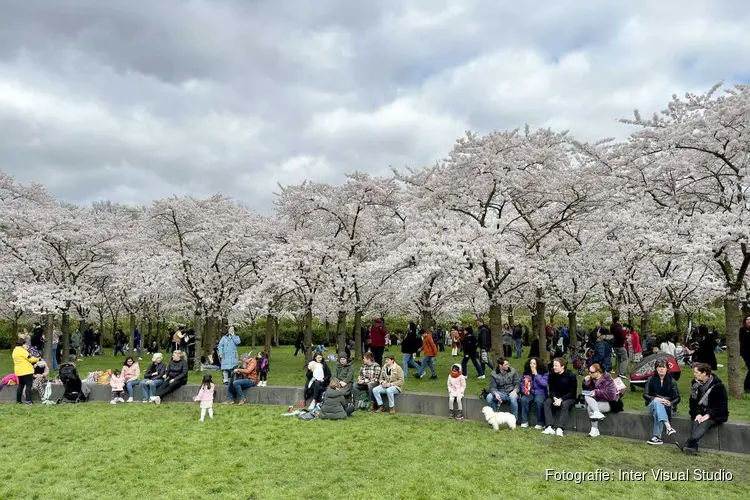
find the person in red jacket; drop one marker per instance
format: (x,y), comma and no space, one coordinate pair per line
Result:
(377,340)
(430,351)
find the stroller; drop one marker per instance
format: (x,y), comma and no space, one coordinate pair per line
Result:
(74,389)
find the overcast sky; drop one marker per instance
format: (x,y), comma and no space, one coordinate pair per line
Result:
(141,99)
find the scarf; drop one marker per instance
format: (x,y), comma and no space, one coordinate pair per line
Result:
(702,391)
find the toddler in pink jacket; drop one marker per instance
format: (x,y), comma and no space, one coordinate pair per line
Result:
(206,397)
(456,389)
(117,383)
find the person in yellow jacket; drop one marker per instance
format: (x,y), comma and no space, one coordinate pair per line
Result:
(23,368)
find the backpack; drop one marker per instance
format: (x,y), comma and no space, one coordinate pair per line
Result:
(364,401)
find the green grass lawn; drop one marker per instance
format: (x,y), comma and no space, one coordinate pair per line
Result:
(95,450)
(288,370)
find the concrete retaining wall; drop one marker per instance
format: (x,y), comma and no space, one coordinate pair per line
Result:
(731,436)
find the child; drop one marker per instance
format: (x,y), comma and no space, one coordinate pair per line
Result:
(117,383)
(456,389)
(206,397)
(263,368)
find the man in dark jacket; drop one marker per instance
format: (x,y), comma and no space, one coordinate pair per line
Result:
(36,338)
(709,406)
(518,339)
(485,344)
(621,352)
(344,371)
(299,344)
(469,344)
(505,385)
(563,387)
(175,377)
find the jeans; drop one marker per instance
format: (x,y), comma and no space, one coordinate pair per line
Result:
(408,360)
(564,409)
(389,391)
(120,349)
(54,357)
(465,365)
(226,375)
(427,361)
(698,431)
(237,389)
(621,355)
(538,401)
(493,402)
(130,385)
(148,388)
(661,414)
(519,349)
(137,349)
(24,381)
(485,358)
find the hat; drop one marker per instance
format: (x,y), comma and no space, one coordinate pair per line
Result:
(390,356)
(342,355)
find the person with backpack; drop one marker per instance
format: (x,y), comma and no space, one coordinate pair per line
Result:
(599,391)
(367,379)
(518,340)
(409,346)
(264,367)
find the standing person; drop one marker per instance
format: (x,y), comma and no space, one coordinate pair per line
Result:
(377,339)
(455,337)
(117,383)
(131,373)
(55,342)
(137,343)
(175,376)
(264,366)
(299,343)
(507,344)
(88,341)
(206,397)
(98,347)
(470,353)
(153,378)
(706,352)
(709,406)
(533,389)
(228,353)
(621,352)
(410,345)
(391,383)
(599,391)
(368,378)
(23,368)
(662,397)
(563,386)
(75,342)
(456,390)
(745,351)
(484,340)
(37,337)
(430,353)
(518,340)
(119,343)
(635,350)
(437,337)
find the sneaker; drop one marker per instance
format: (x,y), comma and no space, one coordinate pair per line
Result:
(145,401)
(548,430)
(524,425)
(655,440)
(597,415)
(690,451)
(228,402)
(452,415)
(434,377)
(200,420)
(671,431)
(120,400)
(28,403)
(481,377)
(140,359)
(559,432)
(130,400)
(157,400)
(593,433)
(312,406)
(393,411)
(379,410)
(538,427)
(113,402)
(242,401)
(460,416)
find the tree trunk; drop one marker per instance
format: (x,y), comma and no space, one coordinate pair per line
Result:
(541,331)
(48,327)
(630,319)
(307,331)
(276,321)
(615,313)
(645,325)
(358,334)
(14,332)
(732,324)
(65,329)
(678,322)
(427,320)
(573,327)
(328,332)
(150,332)
(131,333)
(269,333)
(496,330)
(746,308)
(253,334)
(341,332)
(198,327)
(511,318)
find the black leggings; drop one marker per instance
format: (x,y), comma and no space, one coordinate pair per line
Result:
(166,387)
(24,381)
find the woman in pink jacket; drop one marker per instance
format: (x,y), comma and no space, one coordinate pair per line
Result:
(456,389)
(131,373)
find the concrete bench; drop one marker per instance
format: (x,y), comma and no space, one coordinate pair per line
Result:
(733,436)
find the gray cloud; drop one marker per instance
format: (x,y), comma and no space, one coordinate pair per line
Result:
(138,100)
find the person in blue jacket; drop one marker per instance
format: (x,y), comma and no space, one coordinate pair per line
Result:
(228,353)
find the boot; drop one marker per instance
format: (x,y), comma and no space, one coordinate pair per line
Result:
(452,415)
(372,405)
(460,416)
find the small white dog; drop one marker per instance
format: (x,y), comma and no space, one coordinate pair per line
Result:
(496,419)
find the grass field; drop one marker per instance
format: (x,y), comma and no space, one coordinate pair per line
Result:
(288,370)
(97,450)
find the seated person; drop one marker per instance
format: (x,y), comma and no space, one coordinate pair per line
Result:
(662,396)
(533,390)
(318,377)
(335,401)
(175,377)
(708,406)
(368,378)
(391,383)
(153,378)
(562,387)
(505,385)
(242,378)
(599,390)
(345,372)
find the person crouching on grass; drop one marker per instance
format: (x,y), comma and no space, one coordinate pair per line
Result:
(206,397)
(117,383)
(456,389)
